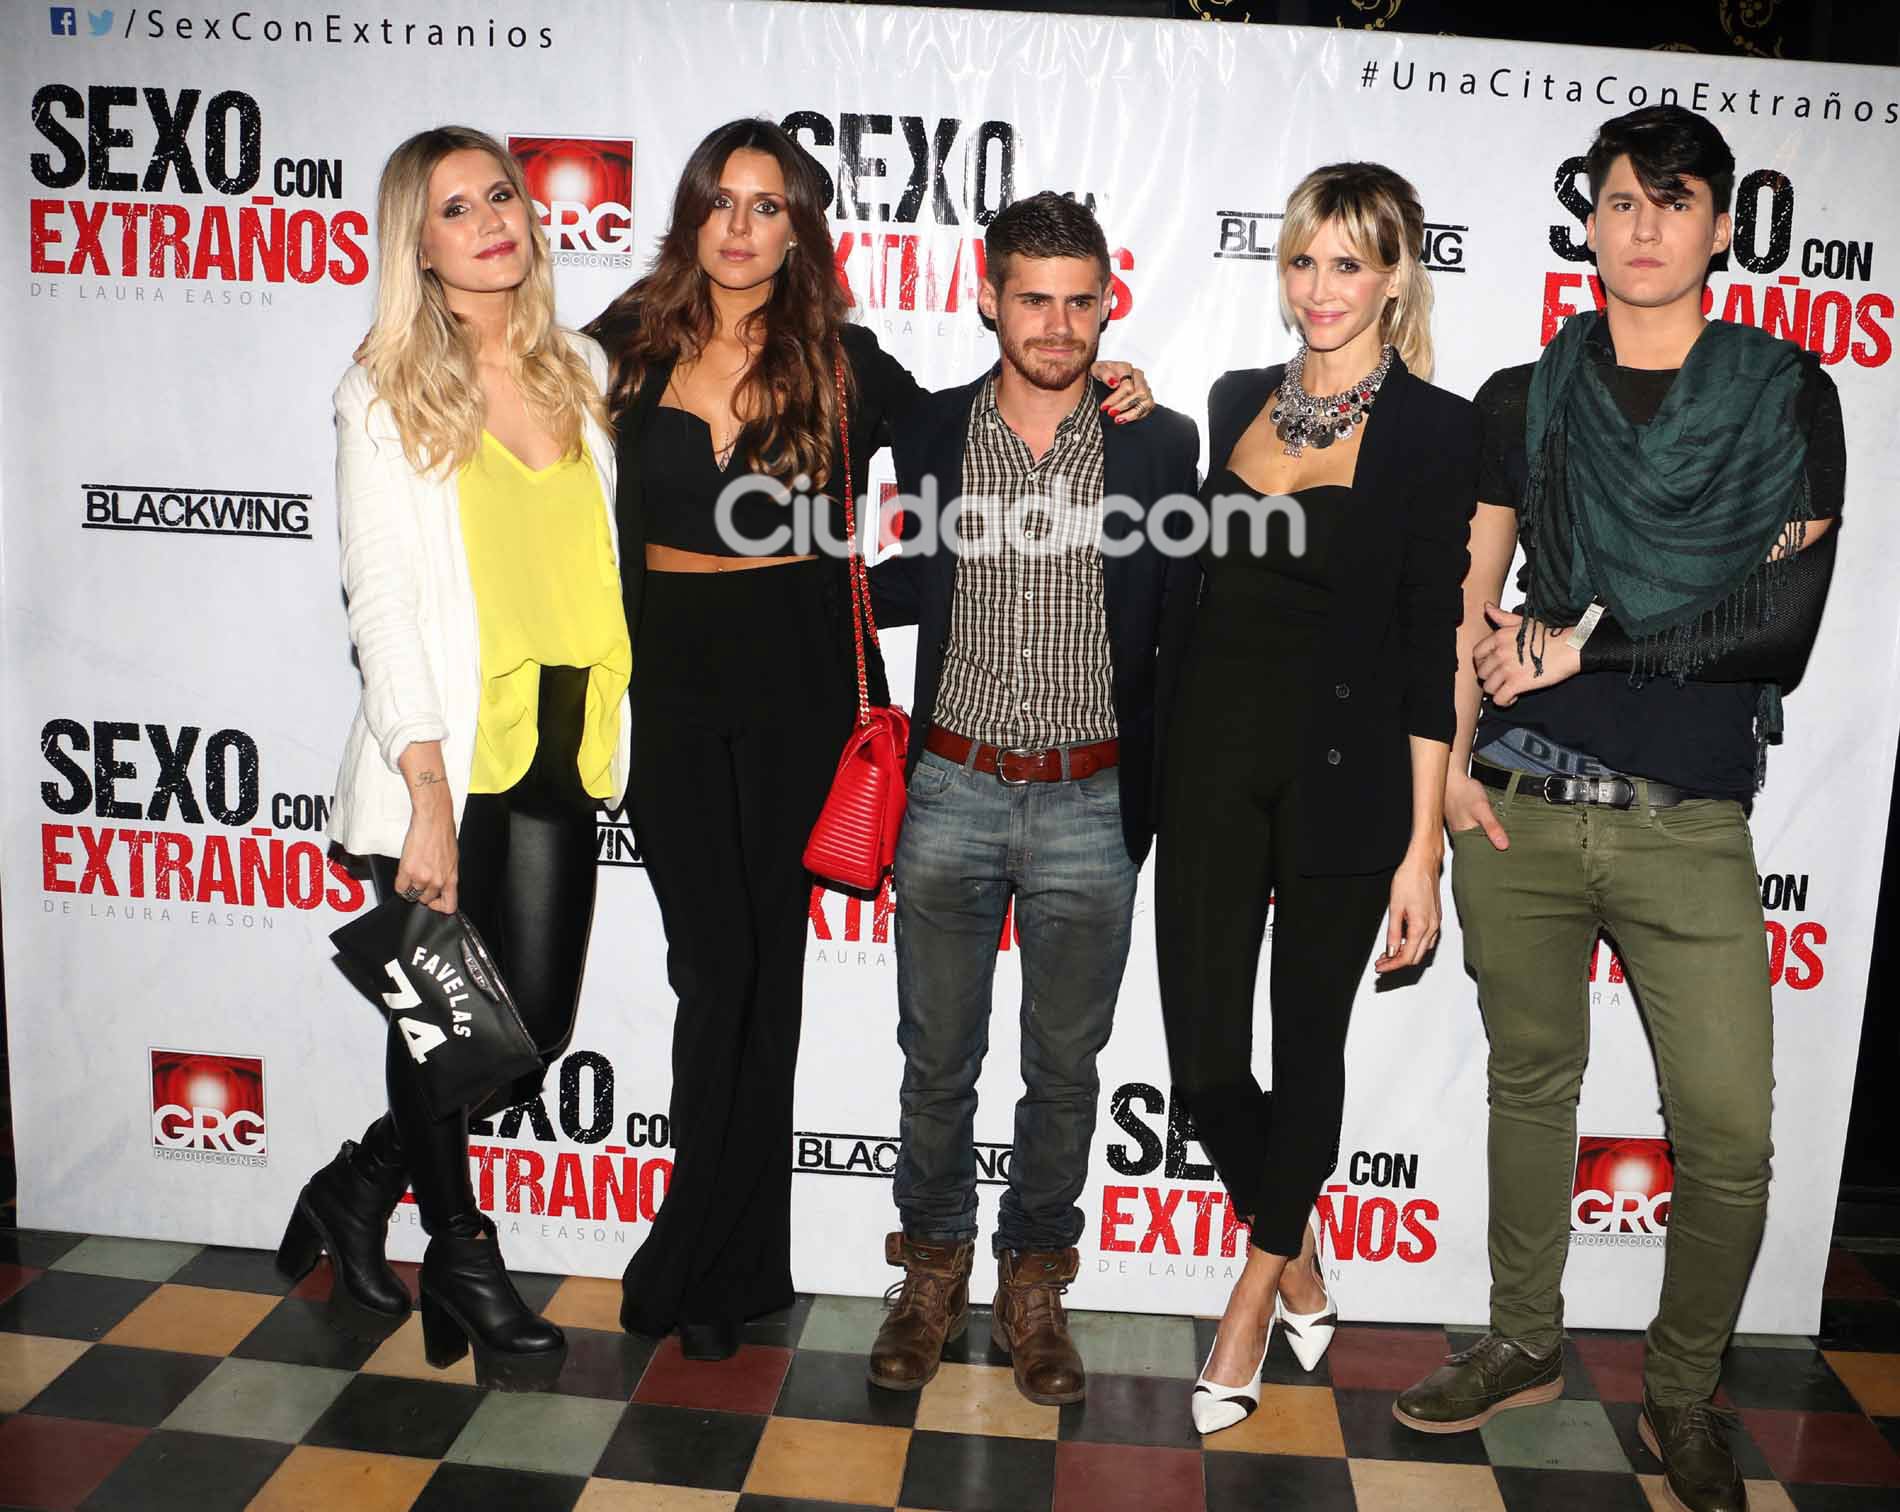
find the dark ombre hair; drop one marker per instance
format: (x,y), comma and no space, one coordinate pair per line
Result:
(1043,225)
(1665,144)
(787,397)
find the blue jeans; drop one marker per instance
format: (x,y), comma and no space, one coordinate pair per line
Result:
(970,843)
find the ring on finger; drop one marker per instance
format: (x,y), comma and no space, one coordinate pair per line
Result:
(412,893)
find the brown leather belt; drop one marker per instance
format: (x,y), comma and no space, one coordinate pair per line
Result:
(1012,766)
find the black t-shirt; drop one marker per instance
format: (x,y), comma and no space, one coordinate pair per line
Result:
(1695,735)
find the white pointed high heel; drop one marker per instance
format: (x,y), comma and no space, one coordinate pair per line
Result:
(1215,1406)
(1308,1334)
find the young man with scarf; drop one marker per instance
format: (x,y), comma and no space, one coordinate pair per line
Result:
(1674,482)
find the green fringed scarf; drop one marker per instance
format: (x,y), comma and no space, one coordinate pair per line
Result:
(1665,522)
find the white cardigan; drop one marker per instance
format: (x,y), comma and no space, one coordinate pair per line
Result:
(413,618)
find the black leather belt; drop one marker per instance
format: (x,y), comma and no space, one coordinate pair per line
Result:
(1607,792)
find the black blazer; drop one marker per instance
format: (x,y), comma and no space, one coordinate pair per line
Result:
(1145,461)
(1388,657)
(883,390)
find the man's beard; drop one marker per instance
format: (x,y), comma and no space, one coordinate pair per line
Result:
(1046,369)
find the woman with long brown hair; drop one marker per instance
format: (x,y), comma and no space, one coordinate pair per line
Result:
(735,368)
(474,476)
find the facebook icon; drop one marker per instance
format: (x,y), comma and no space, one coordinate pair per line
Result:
(65,21)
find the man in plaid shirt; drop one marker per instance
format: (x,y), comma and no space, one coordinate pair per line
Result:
(1031,772)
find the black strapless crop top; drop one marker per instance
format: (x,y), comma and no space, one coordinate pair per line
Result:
(680,485)
(1275,585)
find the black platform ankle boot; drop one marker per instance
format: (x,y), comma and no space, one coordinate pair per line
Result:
(344,1211)
(468,1299)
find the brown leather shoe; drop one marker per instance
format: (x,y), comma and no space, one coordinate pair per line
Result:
(1028,1322)
(929,1308)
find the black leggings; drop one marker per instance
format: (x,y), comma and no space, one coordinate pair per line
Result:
(1229,831)
(526,882)
(741,708)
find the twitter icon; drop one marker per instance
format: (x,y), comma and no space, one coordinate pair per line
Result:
(100,22)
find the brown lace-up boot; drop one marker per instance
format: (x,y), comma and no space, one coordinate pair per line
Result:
(929,1308)
(1028,1320)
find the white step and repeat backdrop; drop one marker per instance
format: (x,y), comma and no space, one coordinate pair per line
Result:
(188,198)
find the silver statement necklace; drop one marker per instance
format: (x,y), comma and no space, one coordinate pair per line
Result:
(1300,420)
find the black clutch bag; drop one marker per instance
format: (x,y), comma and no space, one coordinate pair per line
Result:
(433,976)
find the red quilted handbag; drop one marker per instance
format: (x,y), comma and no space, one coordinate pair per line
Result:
(855,839)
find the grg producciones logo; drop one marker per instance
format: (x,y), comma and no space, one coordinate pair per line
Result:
(583,192)
(1622,1191)
(208,1108)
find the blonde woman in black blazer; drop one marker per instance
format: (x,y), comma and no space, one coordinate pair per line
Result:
(1308,693)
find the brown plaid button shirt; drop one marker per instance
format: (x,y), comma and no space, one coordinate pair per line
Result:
(1028,660)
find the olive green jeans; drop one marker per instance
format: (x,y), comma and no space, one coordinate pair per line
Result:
(1675,890)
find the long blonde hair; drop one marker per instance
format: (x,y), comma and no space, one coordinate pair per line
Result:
(1379,216)
(420,356)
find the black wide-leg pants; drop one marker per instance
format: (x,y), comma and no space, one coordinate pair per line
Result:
(740,712)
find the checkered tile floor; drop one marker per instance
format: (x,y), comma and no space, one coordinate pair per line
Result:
(152,1376)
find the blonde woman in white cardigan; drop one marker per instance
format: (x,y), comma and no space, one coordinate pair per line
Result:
(474,485)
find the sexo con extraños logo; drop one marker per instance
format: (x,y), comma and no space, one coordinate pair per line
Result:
(1180,1208)
(175,184)
(910,196)
(168,824)
(1832,314)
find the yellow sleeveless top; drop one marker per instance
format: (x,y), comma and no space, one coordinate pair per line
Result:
(547,594)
